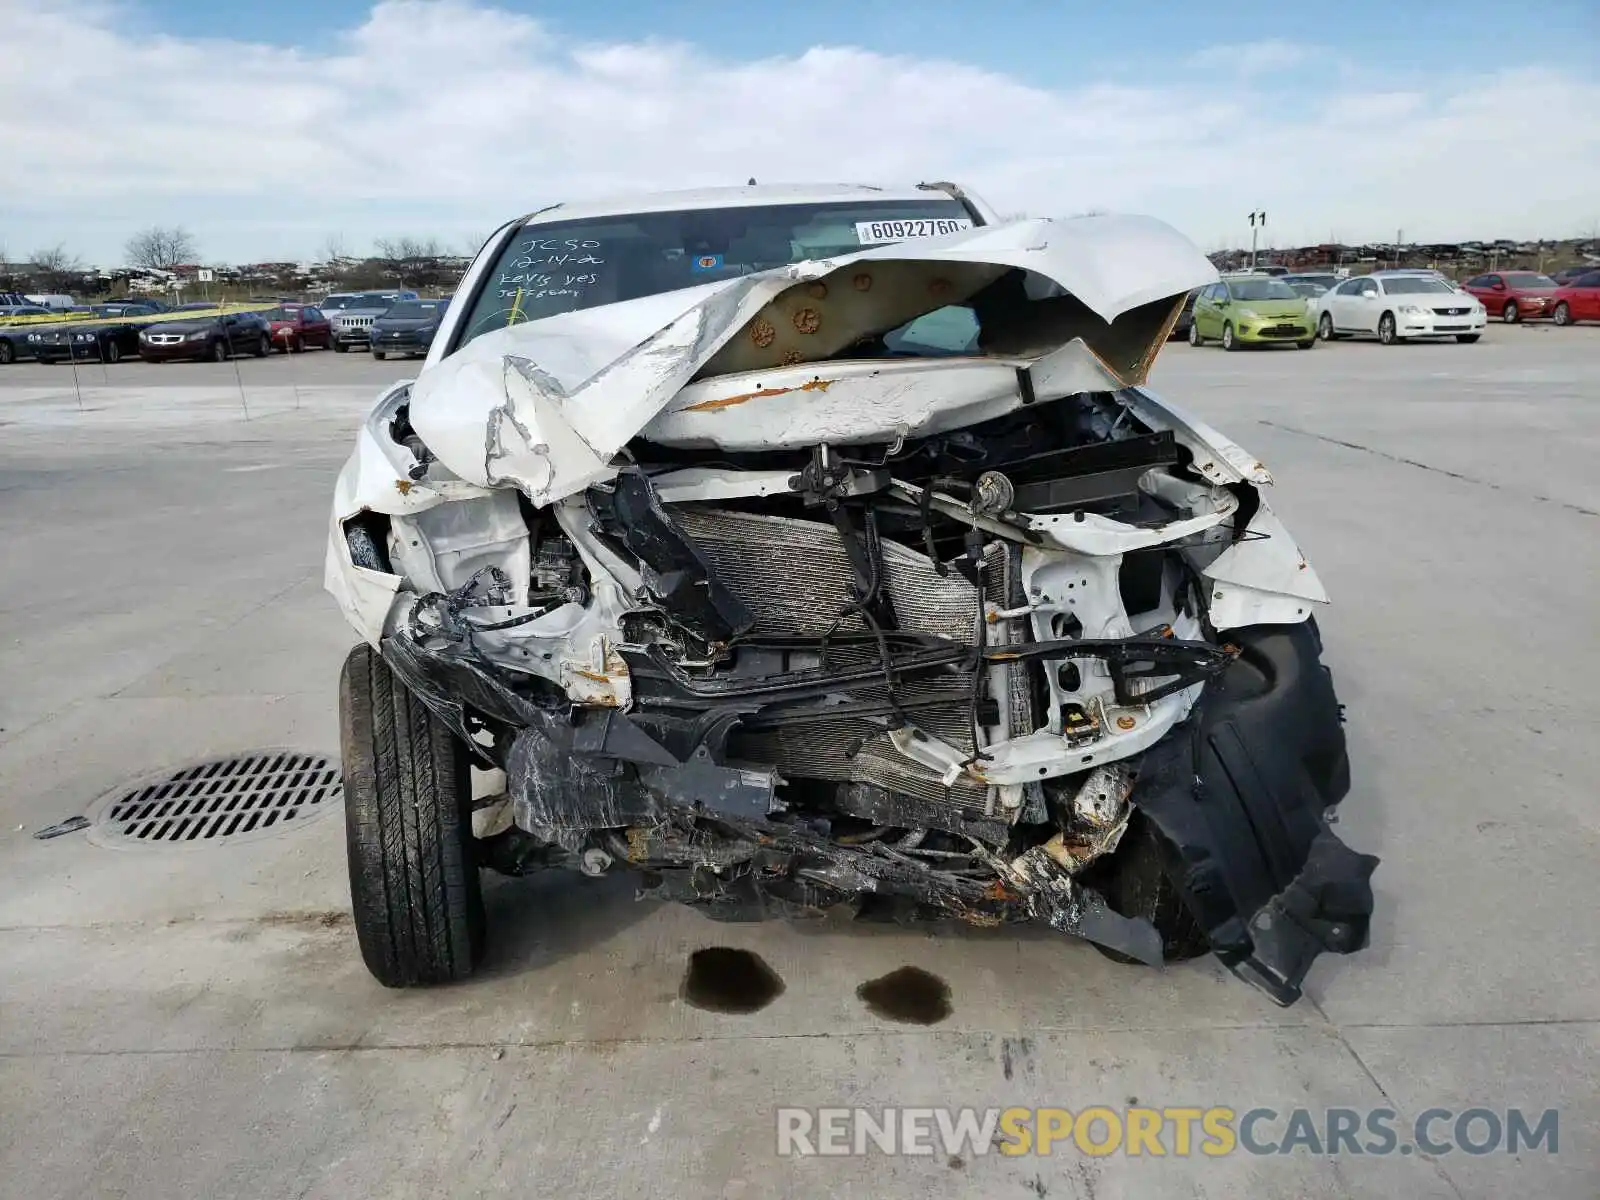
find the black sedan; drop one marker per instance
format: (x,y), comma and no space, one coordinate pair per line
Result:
(108,341)
(1180,327)
(214,338)
(14,343)
(407,327)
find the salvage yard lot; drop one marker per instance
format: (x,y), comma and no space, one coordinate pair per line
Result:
(197,1021)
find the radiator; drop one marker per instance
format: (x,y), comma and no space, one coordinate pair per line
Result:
(795,578)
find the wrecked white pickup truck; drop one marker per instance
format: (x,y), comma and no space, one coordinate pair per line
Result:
(808,547)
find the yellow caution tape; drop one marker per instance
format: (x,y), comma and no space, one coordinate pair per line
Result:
(194,314)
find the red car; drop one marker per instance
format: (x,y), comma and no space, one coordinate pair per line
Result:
(1578,300)
(296,326)
(1513,295)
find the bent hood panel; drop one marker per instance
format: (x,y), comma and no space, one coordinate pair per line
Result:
(546,405)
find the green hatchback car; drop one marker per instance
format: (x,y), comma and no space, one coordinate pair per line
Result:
(1252,310)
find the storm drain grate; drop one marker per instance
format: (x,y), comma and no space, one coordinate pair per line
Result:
(222,800)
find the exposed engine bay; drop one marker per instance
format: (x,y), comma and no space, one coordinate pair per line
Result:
(934,634)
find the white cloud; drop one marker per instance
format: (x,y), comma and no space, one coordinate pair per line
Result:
(1252,58)
(446,118)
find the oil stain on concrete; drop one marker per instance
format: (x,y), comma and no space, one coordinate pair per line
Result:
(722,979)
(908,995)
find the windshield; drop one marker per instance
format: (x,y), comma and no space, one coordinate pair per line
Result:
(1529,279)
(1304,287)
(1413,284)
(1266,288)
(416,309)
(561,266)
(337,302)
(281,314)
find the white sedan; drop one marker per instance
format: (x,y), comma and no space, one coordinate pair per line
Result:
(1396,306)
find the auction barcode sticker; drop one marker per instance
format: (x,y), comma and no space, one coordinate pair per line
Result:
(870,232)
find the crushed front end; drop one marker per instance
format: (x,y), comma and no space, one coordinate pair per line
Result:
(995,635)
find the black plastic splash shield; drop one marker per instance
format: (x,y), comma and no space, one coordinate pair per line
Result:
(1241,793)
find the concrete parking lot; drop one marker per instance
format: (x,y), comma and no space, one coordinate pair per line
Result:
(196,1021)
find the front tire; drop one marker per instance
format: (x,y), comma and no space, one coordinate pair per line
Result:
(340,348)
(1386,330)
(379,355)
(1511,314)
(113,353)
(8,354)
(263,347)
(1194,335)
(1562,314)
(1306,345)
(219,351)
(1466,339)
(1325,327)
(1229,342)
(414,889)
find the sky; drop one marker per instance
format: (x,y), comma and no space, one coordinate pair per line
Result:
(276,131)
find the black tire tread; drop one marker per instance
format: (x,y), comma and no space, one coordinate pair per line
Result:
(414,887)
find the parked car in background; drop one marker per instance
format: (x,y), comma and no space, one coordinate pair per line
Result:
(294,327)
(1395,306)
(1577,300)
(1185,321)
(150,302)
(14,342)
(1251,310)
(124,308)
(198,306)
(352,324)
(1568,274)
(1513,295)
(98,341)
(1310,284)
(406,328)
(1423,273)
(206,337)
(339,301)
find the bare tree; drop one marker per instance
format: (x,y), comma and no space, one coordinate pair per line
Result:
(333,248)
(412,261)
(55,268)
(160,249)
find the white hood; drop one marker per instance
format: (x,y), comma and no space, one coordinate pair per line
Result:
(546,405)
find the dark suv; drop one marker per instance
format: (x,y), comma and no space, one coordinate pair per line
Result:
(406,328)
